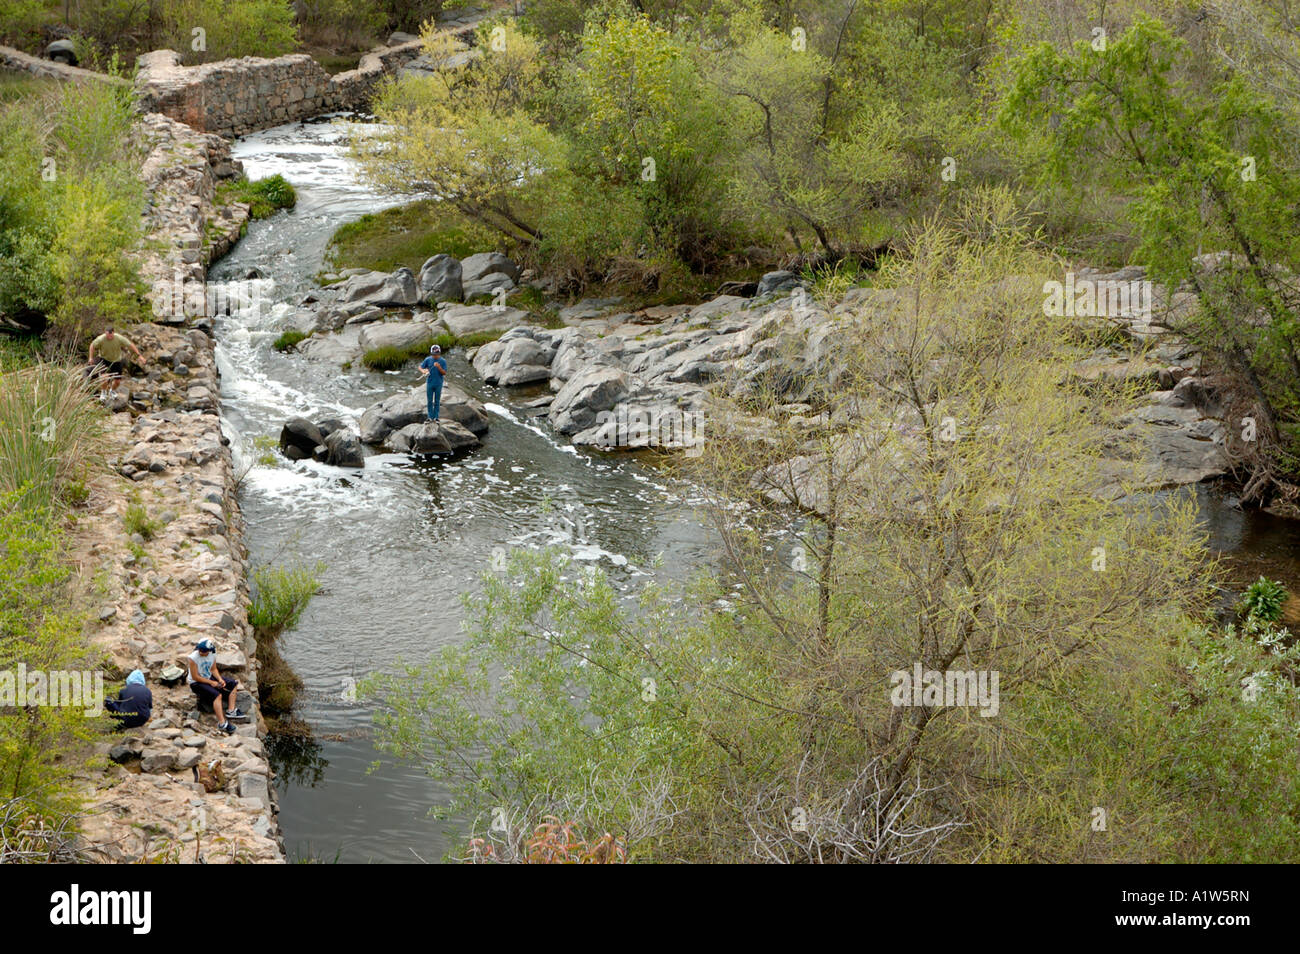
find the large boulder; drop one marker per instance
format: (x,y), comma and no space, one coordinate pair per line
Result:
(585,395)
(343,449)
(463,320)
(381,288)
(485,263)
(515,358)
(409,407)
(395,334)
(299,438)
(440,280)
(431,437)
(776,282)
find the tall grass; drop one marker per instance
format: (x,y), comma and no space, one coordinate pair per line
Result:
(50,432)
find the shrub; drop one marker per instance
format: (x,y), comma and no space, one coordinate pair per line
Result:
(232,28)
(389,357)
(280,595)
(1263,600)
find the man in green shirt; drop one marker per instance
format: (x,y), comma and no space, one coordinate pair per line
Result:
(106,352)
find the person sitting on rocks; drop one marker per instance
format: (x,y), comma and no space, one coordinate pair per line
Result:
(107,352)
(134,704)
(434,368)
(208,684)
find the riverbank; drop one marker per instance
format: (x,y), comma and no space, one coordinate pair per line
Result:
(177,571)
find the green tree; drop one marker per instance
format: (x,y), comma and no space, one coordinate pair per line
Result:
(1207,173)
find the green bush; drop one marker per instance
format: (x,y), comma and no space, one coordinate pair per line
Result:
(280,595)
(40,628)
(264,197)
(1263,600)
(390,357)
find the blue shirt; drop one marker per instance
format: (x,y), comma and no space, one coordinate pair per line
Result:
(435,377)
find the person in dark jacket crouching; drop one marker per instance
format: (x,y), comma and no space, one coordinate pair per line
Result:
(134,704)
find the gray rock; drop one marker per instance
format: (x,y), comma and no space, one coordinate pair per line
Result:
(440,280)
(252,785)
(585,395)
(395,334)
(188,758)
(489,285)
(463,320)
(381,288)
(300,435)
(515,358)
(484,263)
(775,282)
(426,438)
(344,450)
(157,758)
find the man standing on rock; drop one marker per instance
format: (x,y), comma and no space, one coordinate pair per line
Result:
(434,368)
(107,351)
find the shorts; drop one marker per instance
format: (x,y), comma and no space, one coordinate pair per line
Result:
(111,368)
(209,693)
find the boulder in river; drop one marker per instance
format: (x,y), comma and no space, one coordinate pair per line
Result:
(440,280)
(520,356)
(299,438)
(343,449)
(409,407)
(431,437)
(585,395)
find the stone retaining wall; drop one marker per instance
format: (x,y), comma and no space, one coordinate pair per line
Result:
(156,597)
(236,97)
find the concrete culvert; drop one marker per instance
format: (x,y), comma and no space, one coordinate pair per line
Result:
(62,51)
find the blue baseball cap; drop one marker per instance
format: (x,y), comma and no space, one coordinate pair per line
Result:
(205,645)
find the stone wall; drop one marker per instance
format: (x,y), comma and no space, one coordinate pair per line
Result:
(189,579)
(236,97)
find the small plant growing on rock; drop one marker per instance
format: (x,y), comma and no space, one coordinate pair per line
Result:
(289,339)
(137,520)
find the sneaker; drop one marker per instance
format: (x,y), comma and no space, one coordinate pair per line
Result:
(235,714)
(227,728)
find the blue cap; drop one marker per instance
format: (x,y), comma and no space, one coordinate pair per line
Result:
(205,644)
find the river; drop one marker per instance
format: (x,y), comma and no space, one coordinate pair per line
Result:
(400,540)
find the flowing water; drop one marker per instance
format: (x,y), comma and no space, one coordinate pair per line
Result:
(400,540)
